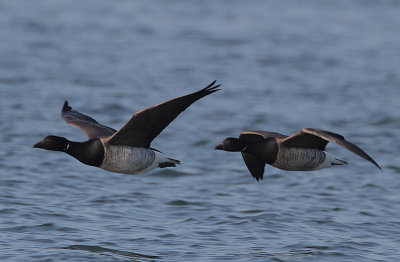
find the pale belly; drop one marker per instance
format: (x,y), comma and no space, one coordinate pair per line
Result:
(128,160)
(299,159)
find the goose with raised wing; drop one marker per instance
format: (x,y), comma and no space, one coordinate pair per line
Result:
(128,149)
(302,151)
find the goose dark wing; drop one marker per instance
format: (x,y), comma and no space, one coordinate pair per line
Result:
(304,139)
(255,166)
(254,136)
(85,123)
(318,139)
(145,125)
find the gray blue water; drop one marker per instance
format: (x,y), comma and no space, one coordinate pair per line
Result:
(283,65)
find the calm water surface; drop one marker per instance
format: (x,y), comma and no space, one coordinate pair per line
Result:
(283,66)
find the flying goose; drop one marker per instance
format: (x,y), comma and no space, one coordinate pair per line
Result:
(302,151)
(127,150)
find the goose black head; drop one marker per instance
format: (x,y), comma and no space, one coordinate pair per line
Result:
(231,144)
(54,143)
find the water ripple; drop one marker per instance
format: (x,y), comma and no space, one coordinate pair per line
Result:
(118,253)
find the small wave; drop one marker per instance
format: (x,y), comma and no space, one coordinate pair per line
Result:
(13,80)
(169,173)
(252,211)
(101,250)
(201,142)
(370,185)
(394,168)
(318,247)
(385,120)
(39,227)
(364,213)
(184,203)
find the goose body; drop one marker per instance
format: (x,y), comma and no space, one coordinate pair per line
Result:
(133,160)
(127,150)
(303,151)
(300,159)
